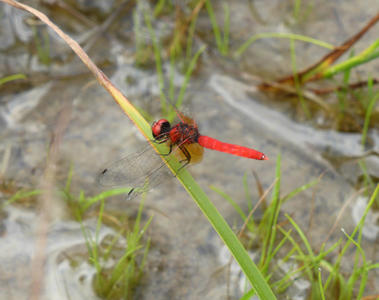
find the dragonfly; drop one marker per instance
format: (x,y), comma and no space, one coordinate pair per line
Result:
(143,170)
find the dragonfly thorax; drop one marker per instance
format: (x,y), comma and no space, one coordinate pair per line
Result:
(183,133)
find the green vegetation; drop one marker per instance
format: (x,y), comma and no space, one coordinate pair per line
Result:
(20,195)
(290,36)
(327,280)
(347,115)
(298,86)
(11,78)
(127,250)
(168,106)
(42,45)
(369,109)
(80,204)
(119,260)
(222,42)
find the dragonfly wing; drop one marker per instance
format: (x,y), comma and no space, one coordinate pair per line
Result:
(142,171)
(133,170)
(185,119)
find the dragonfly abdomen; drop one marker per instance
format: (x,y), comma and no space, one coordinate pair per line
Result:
(211,143)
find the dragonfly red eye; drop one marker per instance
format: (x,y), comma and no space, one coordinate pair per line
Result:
(160,128)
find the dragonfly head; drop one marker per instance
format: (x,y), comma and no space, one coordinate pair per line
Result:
(160,129)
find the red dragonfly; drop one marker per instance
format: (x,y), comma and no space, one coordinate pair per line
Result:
(184,141)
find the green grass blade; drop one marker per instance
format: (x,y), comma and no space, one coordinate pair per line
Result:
(21,195)
(297,80)
(302,236)
(300,189)
(356,271)
(188,74)
(268,224)
(320,285)
(291,36)
(158,63)
(296,9)
(369,110)
(216,28)
(356,229)
(233,203)
(298,249)
(350,63)
(225,232)
(88,202)
(190,38)
(248,295)
(11,78)
(225,41)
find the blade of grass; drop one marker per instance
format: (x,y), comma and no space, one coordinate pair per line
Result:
(291,36)
(271,215)
(188,74)
(357,271)
(320,284)
(350,63)
(11,78)
(233,203)
(21,195)
(158,63)
(342,92)
(298,249)
(191,33)
(356,229)
(322,68)
(216,28)
(231,241)
(225,41)
(171,90)
(139,39)
(368,114)
(297,80)
(88,202)
(300,189)
(302,236)
(296,9)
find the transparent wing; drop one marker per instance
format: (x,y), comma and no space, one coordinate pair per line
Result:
(132,170)
(140,171)
(185,119)
(143,170)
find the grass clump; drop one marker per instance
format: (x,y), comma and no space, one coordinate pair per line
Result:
(268,237)
(119,260)
(167,94)
(127,251)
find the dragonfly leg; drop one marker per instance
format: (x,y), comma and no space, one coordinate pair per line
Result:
(159,141)
(185,161)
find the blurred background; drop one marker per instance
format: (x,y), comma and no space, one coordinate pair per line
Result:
(243,71)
